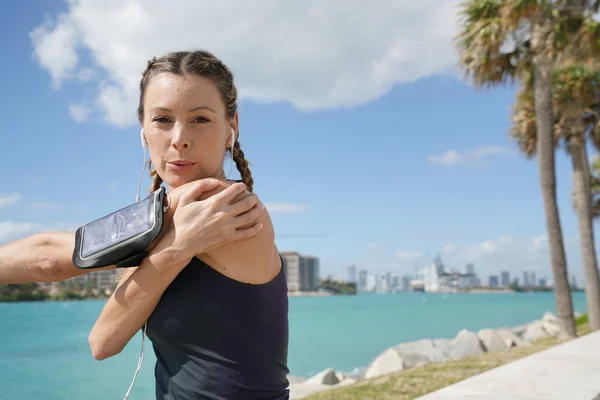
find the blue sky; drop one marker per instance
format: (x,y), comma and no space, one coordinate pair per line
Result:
(360,159)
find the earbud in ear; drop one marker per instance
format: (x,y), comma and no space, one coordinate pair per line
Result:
(142,138)
(232,137)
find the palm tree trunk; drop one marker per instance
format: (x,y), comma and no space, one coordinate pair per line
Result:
(545,150)
(581,181)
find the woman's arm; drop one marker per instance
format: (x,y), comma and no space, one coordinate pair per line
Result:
(196,225)
(43,257)
(135,298)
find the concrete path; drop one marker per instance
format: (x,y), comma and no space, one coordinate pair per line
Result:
(570,371)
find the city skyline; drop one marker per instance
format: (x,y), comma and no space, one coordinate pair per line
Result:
(374,155)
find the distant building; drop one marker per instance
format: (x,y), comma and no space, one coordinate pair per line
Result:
(471,277)
(302,272)
(493,281)
(533,281)
(526,282)
(505,278)
(352,274)
(435,278)
(362,280)
(515,282)
(371,283)
(543,282)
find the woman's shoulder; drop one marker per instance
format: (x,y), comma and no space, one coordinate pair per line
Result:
(254,260)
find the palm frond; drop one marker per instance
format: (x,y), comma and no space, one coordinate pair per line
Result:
(513,12)
(479,44)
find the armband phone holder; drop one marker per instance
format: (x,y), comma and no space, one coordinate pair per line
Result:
(122,237)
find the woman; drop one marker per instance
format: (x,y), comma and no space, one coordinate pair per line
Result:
(212,289)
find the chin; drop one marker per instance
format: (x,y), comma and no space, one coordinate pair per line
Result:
(175,181)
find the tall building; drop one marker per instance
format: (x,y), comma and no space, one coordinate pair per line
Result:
(302,271)
(352,274)
(470,278)
(505,278)
(493,281)
(371,283)
(532,280)
(470,269)
(362,280)
(526,282)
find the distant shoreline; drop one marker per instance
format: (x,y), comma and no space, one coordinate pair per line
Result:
(309,294)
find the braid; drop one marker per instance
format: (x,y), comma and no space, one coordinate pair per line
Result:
(242,166)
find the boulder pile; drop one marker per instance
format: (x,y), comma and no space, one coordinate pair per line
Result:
(406,355)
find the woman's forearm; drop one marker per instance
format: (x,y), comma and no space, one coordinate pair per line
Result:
(134,300)
(43,257)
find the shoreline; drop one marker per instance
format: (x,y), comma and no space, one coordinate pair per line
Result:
(407,355)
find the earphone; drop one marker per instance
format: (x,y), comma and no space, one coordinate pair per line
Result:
(232,144)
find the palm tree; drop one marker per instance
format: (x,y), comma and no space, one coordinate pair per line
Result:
(595,186)
(498,42)
(576,101)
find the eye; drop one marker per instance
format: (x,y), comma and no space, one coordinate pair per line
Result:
(201,120)
(161,119)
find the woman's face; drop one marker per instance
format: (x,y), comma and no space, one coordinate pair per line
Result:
(186,128)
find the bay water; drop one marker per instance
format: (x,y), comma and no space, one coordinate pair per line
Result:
(44,353)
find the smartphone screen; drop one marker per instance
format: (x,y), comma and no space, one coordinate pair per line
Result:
(117,227)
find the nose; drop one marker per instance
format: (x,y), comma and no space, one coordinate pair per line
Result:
(180,137)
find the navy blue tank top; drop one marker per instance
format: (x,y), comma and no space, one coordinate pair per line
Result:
(216,338)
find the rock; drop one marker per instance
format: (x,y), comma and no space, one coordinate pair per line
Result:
(548,316)
(465,344)
(551,324)
(295,379)
(518,330)
(387,362)
(535,331)
(492,340)
(442,345)
(325,377)
(340,376)
(421,352)
(511,339)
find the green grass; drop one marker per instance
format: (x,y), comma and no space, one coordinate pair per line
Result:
(414,382)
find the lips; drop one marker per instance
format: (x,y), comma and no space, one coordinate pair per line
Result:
(180,165)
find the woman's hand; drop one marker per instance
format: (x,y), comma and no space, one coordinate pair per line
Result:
(203,221)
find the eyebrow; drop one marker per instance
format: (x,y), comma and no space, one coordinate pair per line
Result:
(190,110)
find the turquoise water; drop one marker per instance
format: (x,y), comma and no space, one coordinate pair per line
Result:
(44,352)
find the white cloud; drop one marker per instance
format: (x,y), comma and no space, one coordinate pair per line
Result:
(286,208)
(55,48)
(407,255)
(452,157)
(79,112)
(314,54)
(9,199)
(10,230)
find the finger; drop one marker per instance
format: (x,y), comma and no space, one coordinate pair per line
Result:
(228,194)
(196,190)
(244,205)
(250,217)
(246,233)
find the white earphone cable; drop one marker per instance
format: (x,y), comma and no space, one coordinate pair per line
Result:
(141,359)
